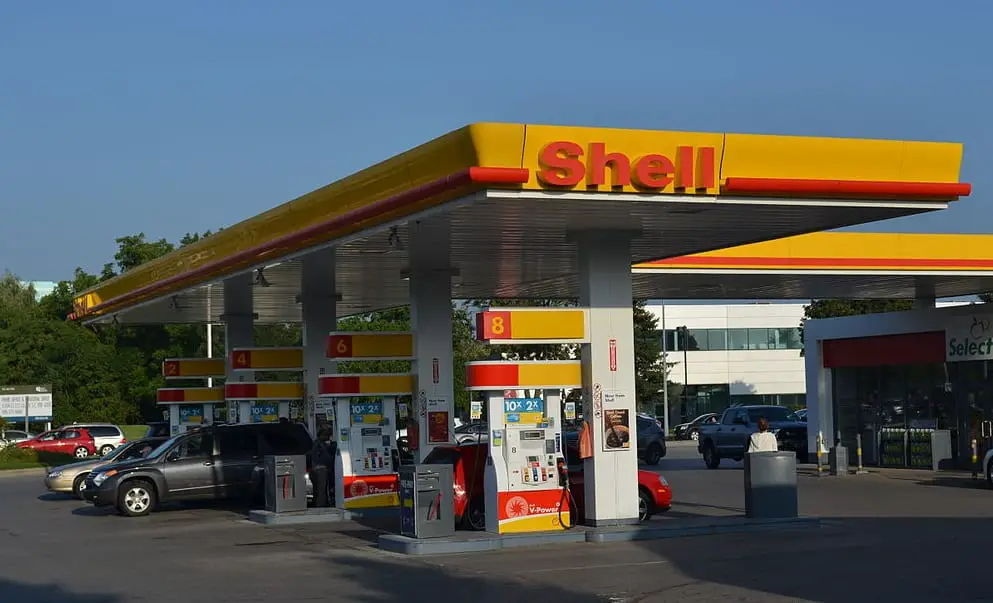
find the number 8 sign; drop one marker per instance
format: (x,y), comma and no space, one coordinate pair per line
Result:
(492,325)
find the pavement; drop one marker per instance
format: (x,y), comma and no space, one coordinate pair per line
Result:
(907,536)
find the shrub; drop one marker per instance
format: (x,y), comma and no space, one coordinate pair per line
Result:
(12,455)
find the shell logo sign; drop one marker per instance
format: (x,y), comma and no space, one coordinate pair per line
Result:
(541,510)
(370,491)
(561,165)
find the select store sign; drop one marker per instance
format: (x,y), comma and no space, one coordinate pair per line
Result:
(969,338)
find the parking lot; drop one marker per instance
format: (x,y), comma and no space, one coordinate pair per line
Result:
(901,535)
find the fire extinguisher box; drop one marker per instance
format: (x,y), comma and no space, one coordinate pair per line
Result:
(426,508)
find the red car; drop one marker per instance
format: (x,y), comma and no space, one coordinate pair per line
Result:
(68,440)
(468,462)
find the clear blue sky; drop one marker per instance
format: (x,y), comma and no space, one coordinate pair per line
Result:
(118,117)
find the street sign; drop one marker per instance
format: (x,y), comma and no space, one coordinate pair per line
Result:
(33,402)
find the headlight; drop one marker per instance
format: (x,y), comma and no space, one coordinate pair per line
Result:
(662,481)
(100,478)
(54,474)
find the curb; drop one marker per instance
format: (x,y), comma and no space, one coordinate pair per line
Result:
(480,542)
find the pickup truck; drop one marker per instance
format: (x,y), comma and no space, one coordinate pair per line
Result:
(728,438)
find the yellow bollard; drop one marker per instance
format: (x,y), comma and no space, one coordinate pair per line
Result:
(820,454)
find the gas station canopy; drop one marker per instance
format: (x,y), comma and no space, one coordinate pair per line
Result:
(827,265)
(515,198)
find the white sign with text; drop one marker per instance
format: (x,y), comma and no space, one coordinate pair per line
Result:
(969,337)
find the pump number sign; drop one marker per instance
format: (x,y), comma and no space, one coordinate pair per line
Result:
(524,410)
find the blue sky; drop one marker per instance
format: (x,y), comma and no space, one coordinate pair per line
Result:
(118,117)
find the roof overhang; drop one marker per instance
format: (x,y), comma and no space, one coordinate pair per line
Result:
(510,196)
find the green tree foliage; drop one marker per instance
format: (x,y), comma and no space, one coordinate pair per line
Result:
(830,308)
(650,372)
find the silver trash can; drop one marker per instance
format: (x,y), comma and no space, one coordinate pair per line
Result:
(770,485)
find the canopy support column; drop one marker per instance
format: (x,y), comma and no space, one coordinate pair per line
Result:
(239,332)
(318,302)
(609,405)
(431,323)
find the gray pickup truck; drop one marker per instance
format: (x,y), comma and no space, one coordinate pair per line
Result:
(728,438)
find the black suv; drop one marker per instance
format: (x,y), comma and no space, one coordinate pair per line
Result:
(211,463)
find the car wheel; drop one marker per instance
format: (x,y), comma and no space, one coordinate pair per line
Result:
(475,515)
(646,506)
(653,455)
(105,450)
(710,456)
(136,498)
(81,453)
(695,435)
(78,486)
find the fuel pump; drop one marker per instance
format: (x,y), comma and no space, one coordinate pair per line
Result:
(523,480)
(364,462)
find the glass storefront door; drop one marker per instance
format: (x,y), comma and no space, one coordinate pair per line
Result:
(972,387)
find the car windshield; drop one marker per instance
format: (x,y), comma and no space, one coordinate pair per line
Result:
(116,452)
(770,413)
(702,419)
(163,447)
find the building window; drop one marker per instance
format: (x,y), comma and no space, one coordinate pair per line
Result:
(737,339)
(714,340)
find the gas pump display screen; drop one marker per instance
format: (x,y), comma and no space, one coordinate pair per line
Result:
(524,410)
(368,413)
(368,432)
(533,435)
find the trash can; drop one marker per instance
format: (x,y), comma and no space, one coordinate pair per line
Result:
(770,485)
(426,509)
(285,483)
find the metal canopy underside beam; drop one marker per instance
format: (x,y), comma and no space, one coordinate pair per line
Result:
(518,244)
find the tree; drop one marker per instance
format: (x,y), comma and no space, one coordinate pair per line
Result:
(830,308)
(650,371)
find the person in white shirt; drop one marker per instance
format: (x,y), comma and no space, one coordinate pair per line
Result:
(763,440)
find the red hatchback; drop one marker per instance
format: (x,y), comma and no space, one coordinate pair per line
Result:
(71,441)
(469,461)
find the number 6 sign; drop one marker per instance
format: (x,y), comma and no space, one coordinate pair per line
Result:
(339,346)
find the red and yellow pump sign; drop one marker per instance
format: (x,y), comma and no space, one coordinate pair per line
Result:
(491,375)
(370,346)
(176,395)
(273,359)
(264,391)
(192,368)
(535,325)
(384,384)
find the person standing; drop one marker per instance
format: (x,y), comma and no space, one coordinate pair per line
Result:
(320,468)
(763,440)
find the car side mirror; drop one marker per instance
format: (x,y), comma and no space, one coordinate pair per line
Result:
(173,456)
